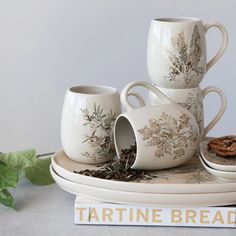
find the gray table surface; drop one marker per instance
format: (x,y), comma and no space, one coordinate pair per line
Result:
(48,210)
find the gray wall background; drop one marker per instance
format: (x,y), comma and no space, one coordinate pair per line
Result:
(47,46)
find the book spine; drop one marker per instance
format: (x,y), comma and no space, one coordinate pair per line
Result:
(117,214)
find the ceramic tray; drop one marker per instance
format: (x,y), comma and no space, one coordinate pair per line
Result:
(217,162)
(189,178)
(228,176)
(164,199)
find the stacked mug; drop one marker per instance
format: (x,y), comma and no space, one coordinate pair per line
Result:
(177,63)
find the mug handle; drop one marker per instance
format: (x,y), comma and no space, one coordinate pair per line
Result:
(222,108)
(126,92)
(221,51)
(138,97)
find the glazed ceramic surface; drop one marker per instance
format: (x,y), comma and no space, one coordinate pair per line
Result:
(107,195)
(176,52)
(88,117)
(165,135)
(191,177)
(192,100)
(221,175)
(215,161)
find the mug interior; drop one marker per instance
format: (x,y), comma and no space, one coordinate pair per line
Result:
(93,89)
(177,19)
(124,135)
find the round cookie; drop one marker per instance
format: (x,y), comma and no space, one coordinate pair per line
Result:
(225,143)
(223,146)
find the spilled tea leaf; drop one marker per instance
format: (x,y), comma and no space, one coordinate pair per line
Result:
(119,169)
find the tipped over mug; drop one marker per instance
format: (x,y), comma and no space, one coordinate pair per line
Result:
(176,51)
(87,122)
(165,135)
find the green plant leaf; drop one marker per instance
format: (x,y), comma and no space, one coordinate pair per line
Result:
(8,177)
(39,173)
(19,160)
(6,198)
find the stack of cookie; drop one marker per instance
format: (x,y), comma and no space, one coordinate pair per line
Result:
(218,156)
(224,146)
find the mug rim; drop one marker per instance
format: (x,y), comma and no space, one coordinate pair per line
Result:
(177,89)
(92,90)
(125,117)
(176,19)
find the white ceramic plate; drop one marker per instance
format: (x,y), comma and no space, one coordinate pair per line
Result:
(123,197)
(227,176)
(217,162)
(189,178)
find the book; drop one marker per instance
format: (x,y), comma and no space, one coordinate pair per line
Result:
(92,212)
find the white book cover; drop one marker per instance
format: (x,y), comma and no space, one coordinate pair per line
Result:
(88,211)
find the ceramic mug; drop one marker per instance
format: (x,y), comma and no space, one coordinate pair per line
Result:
(192,100)
(165,135)
(176,52)
(88,118)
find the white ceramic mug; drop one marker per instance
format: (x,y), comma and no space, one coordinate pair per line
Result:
(176,52)
(88,117)
(192,100)
(165,135)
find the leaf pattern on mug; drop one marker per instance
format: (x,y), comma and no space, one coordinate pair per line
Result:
(193,103)
(169,135)
(101,135)
(185,62)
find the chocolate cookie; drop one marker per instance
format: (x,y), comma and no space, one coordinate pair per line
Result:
(223,146)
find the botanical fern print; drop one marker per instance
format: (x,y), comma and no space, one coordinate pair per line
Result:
(199,177)
(169,135)
(195,174)
(185,62)
(191,174)
(101,136)
(193,103)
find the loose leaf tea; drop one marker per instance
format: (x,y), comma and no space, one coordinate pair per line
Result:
(119,169)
